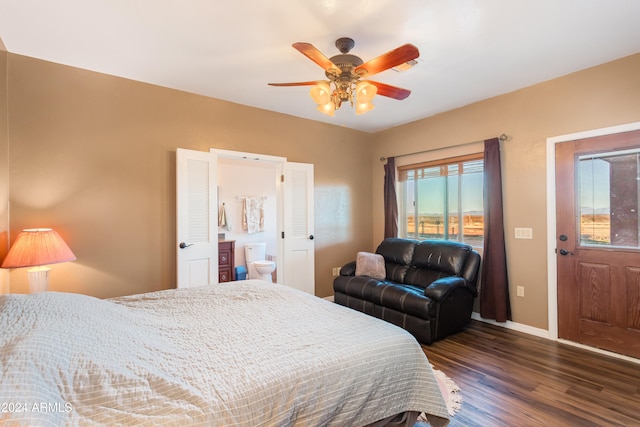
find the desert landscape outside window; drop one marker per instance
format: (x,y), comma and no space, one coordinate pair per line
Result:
(608,186)
(443,200)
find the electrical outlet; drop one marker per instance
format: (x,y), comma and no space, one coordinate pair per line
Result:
(336,271)
(520,291)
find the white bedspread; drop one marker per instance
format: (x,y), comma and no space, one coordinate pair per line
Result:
(244,353)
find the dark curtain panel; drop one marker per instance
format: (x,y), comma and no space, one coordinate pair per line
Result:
(390,200)
(494,292)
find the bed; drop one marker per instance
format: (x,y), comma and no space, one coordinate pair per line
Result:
(245,353)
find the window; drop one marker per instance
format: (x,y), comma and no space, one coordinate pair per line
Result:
(608,193)
(443,200)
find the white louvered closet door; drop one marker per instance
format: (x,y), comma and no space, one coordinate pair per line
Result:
(196,219)
(299,271)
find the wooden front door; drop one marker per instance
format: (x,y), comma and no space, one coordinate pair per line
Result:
(598,241)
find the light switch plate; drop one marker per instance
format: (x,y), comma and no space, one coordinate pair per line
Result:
(524,233)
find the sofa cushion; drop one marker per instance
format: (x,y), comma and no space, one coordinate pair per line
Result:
(404,298)
(355,286)
(422,277)
(443,256)
(397,254)
(372,265)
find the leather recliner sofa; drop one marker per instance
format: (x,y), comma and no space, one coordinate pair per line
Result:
(429,288)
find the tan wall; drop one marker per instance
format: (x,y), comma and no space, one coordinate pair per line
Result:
(598,97)
(4,169)
(93,156)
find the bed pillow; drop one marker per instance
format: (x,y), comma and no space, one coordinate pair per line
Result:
(372,265)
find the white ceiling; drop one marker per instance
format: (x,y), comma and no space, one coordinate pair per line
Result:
(469,49)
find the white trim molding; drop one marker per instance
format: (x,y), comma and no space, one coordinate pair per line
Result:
(600,351)
(543,333)
(520,327)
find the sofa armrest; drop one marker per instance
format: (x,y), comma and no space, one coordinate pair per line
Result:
(348,269)
(440,288)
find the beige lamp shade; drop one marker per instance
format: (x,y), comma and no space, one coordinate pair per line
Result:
(36,247)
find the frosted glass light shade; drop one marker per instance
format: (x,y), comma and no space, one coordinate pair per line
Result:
(321,93)
(363,107)
(365,92)
(327,109)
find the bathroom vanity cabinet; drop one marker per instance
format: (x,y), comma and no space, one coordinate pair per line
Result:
(226,249)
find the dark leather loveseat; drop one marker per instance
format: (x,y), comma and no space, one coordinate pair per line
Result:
(429,287)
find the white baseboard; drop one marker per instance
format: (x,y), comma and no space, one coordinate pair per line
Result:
(543,333)
(600,351)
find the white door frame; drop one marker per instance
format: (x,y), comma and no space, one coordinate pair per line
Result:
(552,268)
(279,163)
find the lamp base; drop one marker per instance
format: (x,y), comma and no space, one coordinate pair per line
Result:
(38,279)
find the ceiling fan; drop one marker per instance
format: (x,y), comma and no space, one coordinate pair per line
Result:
(346,74)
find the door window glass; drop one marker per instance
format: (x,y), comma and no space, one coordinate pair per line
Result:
(608,186)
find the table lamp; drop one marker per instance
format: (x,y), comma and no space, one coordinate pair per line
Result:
(37,247)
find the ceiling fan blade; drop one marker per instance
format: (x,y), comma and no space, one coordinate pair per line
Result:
(309,50)
(388,60)
(313,83)
(390,91)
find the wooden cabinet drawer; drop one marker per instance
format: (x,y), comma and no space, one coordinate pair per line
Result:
(224,258)
(226,250)
(225,275)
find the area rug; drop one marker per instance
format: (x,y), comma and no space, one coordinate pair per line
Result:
(450,391)
(451,394)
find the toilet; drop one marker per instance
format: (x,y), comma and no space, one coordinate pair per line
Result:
(258,267)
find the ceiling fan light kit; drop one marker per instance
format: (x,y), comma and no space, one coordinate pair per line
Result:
(345,74)
(329,100)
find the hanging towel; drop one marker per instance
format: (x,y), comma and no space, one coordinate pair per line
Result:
(222,217)
(253,214)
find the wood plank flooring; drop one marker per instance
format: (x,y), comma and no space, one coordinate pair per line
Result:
(512,379)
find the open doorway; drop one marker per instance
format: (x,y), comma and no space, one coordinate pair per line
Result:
(239,179)
(198,203)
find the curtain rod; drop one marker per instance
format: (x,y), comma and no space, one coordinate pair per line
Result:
(502,137)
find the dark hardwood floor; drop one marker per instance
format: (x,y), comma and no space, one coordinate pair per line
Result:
(508,378)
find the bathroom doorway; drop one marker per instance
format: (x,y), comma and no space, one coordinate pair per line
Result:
(198,207)
(238,180)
